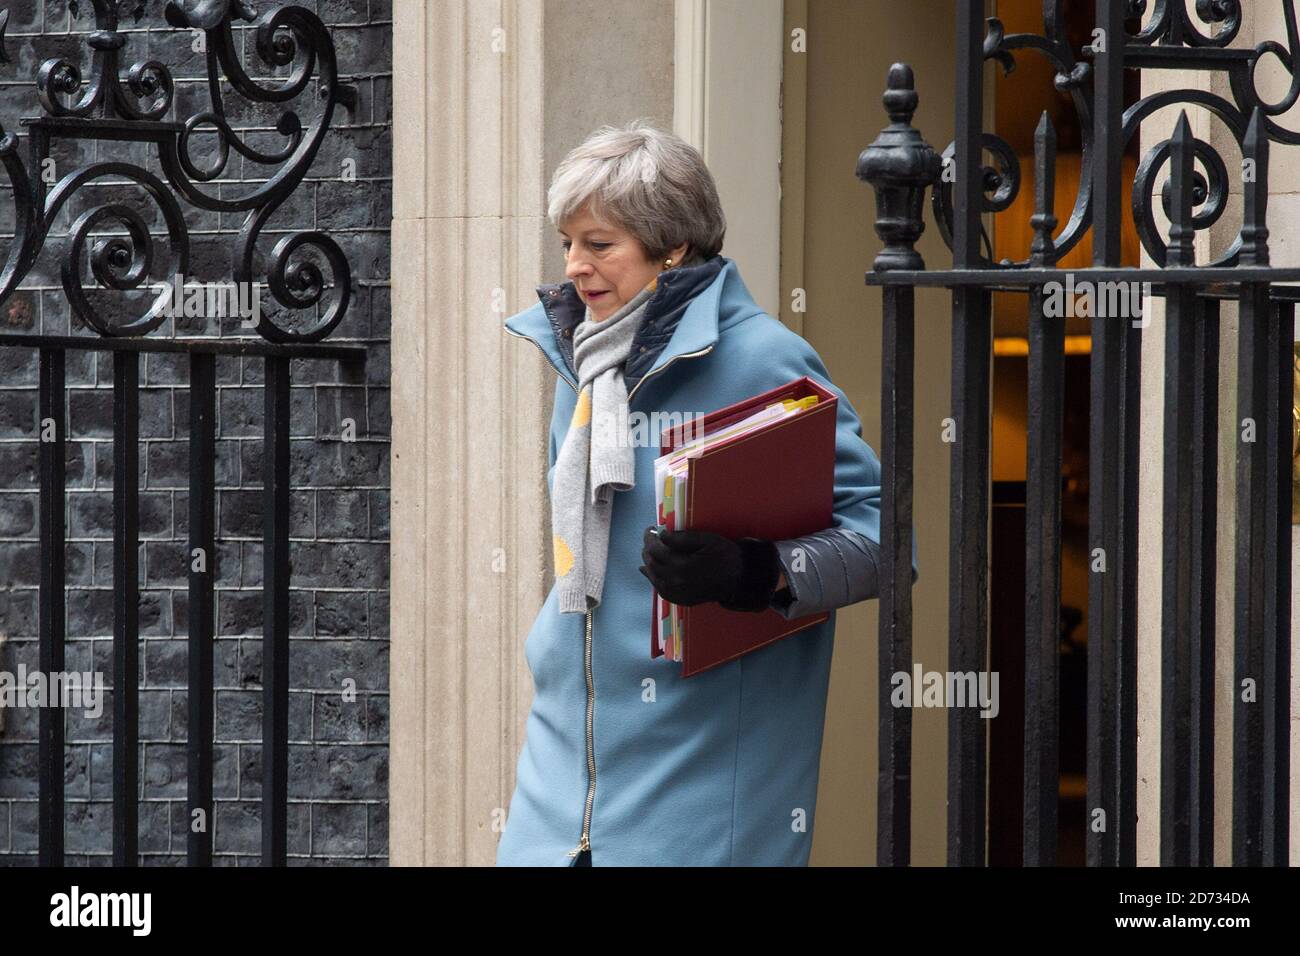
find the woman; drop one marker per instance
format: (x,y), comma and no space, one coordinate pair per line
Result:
(624,761)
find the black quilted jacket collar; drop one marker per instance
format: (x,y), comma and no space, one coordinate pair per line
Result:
(675,292)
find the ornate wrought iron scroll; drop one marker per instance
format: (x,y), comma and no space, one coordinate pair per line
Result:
(129,107)
(1171,39)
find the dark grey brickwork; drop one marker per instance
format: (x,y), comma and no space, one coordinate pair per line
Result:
(338,763)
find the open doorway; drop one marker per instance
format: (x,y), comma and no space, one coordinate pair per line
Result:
(1021,97)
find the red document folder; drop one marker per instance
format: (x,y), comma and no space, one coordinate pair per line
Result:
(776,482)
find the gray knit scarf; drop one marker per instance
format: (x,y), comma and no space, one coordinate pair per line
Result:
(597,457)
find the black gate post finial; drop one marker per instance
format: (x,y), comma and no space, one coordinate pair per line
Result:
(1181,187)
(1254,228)
(899,165)
(1043,221)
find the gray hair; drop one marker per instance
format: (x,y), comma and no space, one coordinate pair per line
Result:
(650,182)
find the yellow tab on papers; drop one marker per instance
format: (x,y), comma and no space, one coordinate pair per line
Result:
(799,403)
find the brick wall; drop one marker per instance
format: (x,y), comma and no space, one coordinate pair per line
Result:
(338,761)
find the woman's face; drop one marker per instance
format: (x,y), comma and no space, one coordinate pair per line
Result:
(607,264)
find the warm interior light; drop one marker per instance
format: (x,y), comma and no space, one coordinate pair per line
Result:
(1016,345)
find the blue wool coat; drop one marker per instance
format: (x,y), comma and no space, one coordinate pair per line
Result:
(719,769)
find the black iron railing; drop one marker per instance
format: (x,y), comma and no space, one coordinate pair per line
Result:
(902,167)
(128,108)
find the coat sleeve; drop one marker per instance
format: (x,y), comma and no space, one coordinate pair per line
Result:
(838,565)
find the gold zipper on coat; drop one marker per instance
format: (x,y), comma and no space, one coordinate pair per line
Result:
(558,370)
(655,372)
(585,842)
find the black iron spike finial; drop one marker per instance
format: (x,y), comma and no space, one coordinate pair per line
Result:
(1181,231)
(1254,171)
(1043,221)
(899,165)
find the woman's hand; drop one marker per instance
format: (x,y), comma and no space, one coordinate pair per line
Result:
(691,567)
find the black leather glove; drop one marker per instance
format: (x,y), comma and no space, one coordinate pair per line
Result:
(691,567)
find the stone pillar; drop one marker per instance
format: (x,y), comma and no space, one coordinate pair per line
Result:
(487,96)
